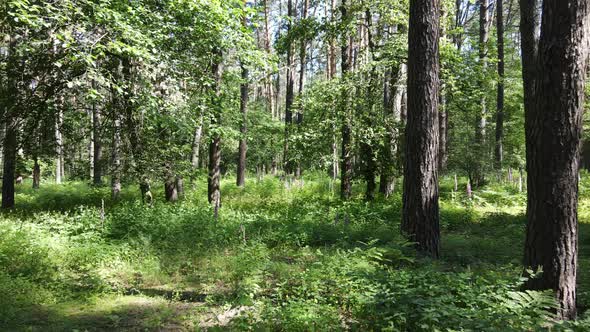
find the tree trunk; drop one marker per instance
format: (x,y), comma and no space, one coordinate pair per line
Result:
(214,179)
(116,157)
(480,121)
(59,144)
(91,144)
(498,152)
(36,173)
(289,94)
(97,145)
(243,144)
(420,202)
(196,146)
(10,147)
(170,189)
(346,148)
(393,104)
(554,129)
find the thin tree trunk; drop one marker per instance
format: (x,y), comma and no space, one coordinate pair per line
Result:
(480,121)
(555,128)
(289,94)
(91,144)
(214,179)
(10,147)
(267,41)
(367,146)
(498,152)
(243,144)
(97,145)
(59,144)
(393,105)
(346,148)
(196,146)
(420,202)
(36,173)
(116,158)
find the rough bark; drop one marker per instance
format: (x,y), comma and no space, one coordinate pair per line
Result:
(420,200)
(554,129)
(498,151)
(346,147)
(214,178)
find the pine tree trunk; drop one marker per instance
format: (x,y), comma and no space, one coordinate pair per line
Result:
(214,179)
(498,152)
(420,202)
(346,147)
(554,130)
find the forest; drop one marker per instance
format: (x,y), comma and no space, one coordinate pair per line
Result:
(295,165)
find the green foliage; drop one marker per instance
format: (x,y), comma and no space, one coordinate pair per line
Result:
(288,259)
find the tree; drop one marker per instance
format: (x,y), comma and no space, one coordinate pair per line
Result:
(243,144)
(478,177)
(290,89)
(554,128)
(346,147)
(498,151)
(420,220)
(214,179)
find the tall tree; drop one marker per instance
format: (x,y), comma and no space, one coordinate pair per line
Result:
(243,144)
(214,178)
(420,200)
(478,177)
(554,130)
(290,90)
(498,151)
(346,148)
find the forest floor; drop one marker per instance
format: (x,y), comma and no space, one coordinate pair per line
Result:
(277,259)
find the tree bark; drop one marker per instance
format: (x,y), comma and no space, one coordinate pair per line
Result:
(346,148)
(393,106)
(498,152)
(420,202)
(9,170)
(116,158)
(214,179)
(97,145)
(481,120)
(243,144)
(289,94)
(36,173)
(59,144)
(554,129)
(196,146)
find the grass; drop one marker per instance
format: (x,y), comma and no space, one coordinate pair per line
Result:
(278,258)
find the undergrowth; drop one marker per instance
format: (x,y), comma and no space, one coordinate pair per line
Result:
(291,259)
